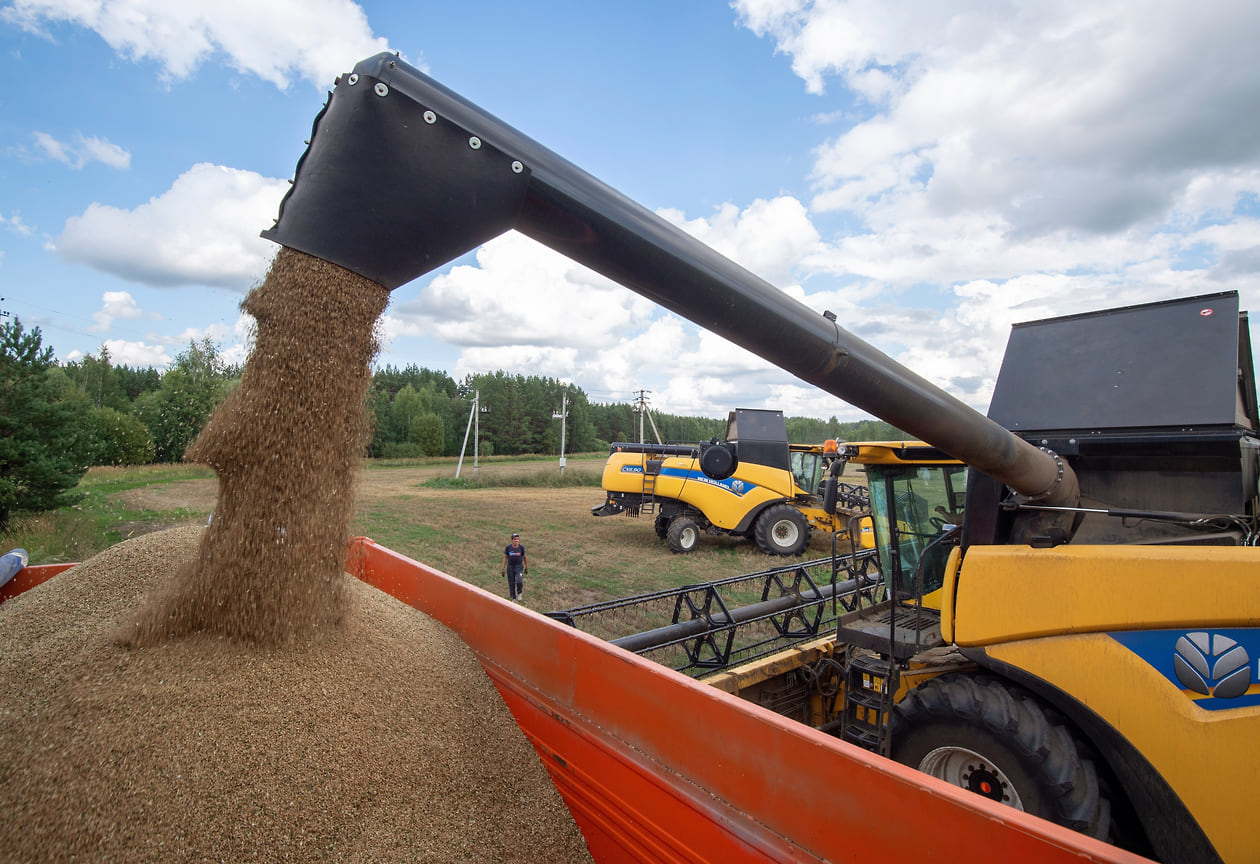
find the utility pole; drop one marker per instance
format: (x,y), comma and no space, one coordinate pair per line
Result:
(564,411)
(474,424)
(641,408)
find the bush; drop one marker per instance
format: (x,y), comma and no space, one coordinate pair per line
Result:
(402,450)
(119,439)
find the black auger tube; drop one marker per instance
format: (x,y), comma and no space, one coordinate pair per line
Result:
(402,175)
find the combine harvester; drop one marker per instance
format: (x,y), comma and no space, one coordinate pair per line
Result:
(752,484)
(1103,684)
(1100,584)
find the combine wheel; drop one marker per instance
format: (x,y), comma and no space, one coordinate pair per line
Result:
(782,530)
(997,741)
(683,535)
(662,526)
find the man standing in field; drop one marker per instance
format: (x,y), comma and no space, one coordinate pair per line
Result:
(515,566)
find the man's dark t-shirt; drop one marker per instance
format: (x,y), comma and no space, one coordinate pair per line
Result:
(515,557)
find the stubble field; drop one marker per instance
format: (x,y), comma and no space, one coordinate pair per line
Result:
(575,558)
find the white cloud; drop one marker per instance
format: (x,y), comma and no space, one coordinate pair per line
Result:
(116,304)
(216,333)
(83,150)
(14,222)
(520,293)
(278,41)
(138,354)
(1002,162)
(769,238)
(202,231)
(527,309)
(1040,118)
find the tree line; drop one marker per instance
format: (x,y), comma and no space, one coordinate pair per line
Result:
(56,420)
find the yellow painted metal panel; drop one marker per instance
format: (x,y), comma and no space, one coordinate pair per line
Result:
(1208,757)
(1005,593)
(948,589)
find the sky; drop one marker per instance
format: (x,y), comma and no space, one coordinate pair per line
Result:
(930,171)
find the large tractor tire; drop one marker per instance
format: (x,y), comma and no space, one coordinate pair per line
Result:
(661,525)
(782,530)
(988,737)
(683,535)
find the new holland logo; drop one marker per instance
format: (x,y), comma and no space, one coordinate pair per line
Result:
(1212,664)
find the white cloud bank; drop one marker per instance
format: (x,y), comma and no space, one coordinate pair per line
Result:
(997,162)
(201,231)
(1013,161)
(278,41)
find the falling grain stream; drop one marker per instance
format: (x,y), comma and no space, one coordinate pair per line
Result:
(228,693)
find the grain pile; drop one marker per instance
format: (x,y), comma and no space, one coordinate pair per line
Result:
(380,740)
(227,693)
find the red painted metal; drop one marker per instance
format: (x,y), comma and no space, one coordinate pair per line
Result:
(656,767)
(30,576)
(659,769)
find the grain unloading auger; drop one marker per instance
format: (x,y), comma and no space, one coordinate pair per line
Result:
(402,176)
(1085,652)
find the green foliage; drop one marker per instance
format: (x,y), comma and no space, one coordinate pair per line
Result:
(102,517)
(413,412)
(176,412)
(518,414)
(44,442)
(119,439)
(808,430)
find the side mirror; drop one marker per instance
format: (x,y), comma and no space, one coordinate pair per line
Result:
(829,489)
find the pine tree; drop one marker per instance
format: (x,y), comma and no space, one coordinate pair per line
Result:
(44,445)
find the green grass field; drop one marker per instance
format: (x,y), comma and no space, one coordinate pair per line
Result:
(417,508)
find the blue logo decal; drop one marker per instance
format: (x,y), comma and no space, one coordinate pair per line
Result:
(1212,667)
(738,488)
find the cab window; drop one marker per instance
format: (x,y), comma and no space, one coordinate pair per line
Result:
(806,470)
(913,506)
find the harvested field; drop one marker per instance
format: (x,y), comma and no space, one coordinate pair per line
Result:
(380,740)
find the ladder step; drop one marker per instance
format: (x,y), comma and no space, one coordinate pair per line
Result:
(864,736)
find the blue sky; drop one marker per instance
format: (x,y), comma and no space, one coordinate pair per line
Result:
(932,172)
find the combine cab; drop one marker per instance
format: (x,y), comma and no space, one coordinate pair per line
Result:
(752,484)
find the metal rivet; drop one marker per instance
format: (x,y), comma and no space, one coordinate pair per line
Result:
(474,142)
(517,167)
(353,79)
(430,117)
(381,89)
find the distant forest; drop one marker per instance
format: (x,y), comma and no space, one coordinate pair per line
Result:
(136,415)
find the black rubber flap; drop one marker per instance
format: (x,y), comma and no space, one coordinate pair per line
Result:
(389,194)
(1162,365)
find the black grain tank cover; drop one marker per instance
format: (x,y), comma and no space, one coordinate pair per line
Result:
(1178,366)
(760,436)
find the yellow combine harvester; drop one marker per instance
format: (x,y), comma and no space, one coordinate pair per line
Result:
(1093,659)
(753,483)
